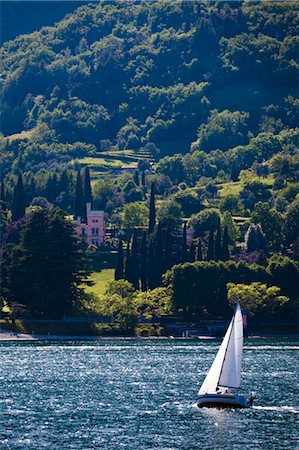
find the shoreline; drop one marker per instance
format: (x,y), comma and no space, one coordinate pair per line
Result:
(18,337)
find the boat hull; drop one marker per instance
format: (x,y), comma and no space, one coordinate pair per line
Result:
(222,401)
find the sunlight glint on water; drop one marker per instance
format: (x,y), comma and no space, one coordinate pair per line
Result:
(140,395)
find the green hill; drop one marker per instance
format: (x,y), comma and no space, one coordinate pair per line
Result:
(171,73)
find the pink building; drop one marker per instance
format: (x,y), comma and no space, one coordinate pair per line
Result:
(92,232)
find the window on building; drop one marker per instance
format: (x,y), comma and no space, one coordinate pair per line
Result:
(83,231)
(95,231)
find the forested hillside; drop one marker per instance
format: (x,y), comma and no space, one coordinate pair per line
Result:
(171,73)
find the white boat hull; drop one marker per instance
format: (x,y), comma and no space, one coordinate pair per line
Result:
(222,401)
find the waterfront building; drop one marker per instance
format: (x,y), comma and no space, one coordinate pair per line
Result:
(92,230)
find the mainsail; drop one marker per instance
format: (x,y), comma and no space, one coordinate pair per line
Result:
(226,368)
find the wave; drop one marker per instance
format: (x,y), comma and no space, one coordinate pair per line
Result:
(291,409)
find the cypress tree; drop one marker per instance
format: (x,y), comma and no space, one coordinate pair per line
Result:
(143,178)
(128,265)
(199,251)
(136,178)
(225,249)
(119,269)
(168,249)
(3,212)
(192,253)
(87,187)
(143,263)
(218,242)
(184,244)
(152,210)
(211,250)
(18,202)
(159,257)
(134,261)
(151,272)
(64,182)
(79,197)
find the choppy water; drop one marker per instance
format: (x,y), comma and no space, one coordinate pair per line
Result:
(140,395)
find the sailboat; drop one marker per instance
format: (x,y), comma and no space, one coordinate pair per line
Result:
(225,372)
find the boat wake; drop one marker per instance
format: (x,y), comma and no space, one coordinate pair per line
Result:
(289,409)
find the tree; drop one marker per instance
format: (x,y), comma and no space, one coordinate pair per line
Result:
(136,178)
(291,222)
(254,238)
(143,263)
(199,251)
(159,263)
(155,303)
(79,198)
(119,269)
(192,252)
(128,271)
(224,254)
(18,202)
(218,246)
(151,268)
(49,266)
(270,220)
(211,247)
(135,215)
(87,187)
(119,304)
(257,298)
(134,262)
(232,229)
(184,244)
(170,213)
(152,210)
(3,212)
(231,202)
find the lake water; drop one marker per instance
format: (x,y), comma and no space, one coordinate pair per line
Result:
(133,394)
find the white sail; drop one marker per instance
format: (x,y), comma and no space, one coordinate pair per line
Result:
(226,368)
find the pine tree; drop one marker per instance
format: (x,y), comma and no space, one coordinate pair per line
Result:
(184,244)
(143,263)
(119,269)
(134,263)
(152,210)
(199,251)
(18,202)
(218,242)
(225,249)
(211,250)
(87,187)
(79,197)
(192,253)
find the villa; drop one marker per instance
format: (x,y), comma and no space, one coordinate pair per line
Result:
(93,231)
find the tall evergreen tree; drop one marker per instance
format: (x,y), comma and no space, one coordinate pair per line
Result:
(225,249)
(143,178)
(134,263)
(168,260)
(79,200)
(119,268)
(18,202)
(159,263)
(128,263)
(87,187)
(136,178)
(151,269)
(64,184)
(211,249)
(199,250)
(192,253)
(184,244)
(218,242)
(3,212)
(143,263)
(152,210)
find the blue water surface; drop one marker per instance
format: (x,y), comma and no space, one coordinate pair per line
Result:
(139,394)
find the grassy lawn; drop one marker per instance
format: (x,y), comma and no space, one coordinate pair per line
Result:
(101,280)
(230,188)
